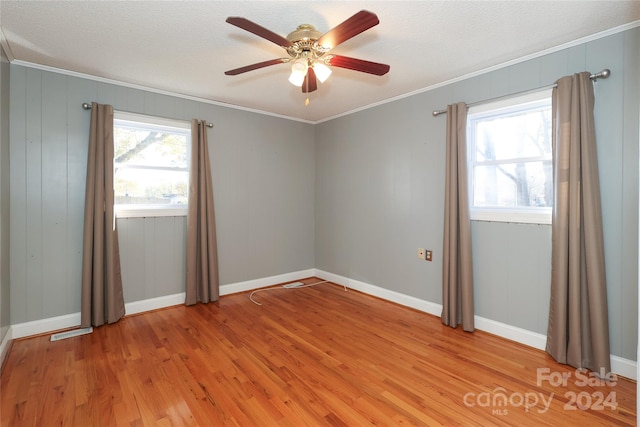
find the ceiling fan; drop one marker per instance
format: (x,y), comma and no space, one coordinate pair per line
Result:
(308,50)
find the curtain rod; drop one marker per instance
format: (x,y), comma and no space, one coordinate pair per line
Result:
(604,74)
(87,106)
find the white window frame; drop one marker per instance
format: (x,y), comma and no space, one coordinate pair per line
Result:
(159,123)
(498,108)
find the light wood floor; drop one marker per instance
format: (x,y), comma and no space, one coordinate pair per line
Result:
(306,357)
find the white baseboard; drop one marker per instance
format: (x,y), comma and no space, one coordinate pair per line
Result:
(624,367)
(386,294)
(232,288)
(620,366)
(513,333)
(136,307)
(42,326)
(250,285)
(4,346)
(72,320)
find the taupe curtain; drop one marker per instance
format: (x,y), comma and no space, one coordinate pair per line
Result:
(202,283)
(102,297)
(457,269)
(578,333)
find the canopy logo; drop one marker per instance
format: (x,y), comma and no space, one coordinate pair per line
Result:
(500,401)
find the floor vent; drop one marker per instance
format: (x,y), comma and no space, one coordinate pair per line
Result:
(69,334)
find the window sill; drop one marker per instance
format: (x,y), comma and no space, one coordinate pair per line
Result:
(511,217)
(146,212)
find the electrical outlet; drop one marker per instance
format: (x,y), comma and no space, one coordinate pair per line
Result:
(428,255)
(421,253)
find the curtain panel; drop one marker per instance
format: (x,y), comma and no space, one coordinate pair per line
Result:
(578,331)
(202,283)
(457,267)
(102,296)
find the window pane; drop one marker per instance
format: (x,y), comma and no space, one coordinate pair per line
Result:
(150,147)
(151,162)
(507,137)
(522,184)
(510,174)
(151,187)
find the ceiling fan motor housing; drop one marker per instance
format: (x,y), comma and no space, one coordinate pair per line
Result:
(304,43)
(304,32)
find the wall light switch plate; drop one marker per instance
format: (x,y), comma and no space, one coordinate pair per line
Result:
(428,255)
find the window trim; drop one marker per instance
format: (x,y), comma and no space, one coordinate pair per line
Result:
(142,210)
(499,107)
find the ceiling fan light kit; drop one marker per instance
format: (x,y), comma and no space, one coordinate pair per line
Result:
(298,72)
(322,71)
(308,50)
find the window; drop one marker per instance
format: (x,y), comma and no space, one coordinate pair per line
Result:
(510,173)
(151,165)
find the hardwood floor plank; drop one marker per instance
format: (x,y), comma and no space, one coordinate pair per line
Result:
(314,356)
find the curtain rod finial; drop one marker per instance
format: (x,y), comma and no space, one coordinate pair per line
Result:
(604,74)
(86,106)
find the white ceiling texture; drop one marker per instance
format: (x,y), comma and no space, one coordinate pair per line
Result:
(184,47)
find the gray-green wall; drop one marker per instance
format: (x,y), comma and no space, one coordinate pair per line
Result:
(380,193)
(5,288)
(263,175)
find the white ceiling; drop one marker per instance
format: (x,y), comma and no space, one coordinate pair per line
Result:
(184,47)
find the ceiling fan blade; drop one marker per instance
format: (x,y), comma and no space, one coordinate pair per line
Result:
(310,82)
(256,29)
(359,65)
(255,66)
(353,26)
